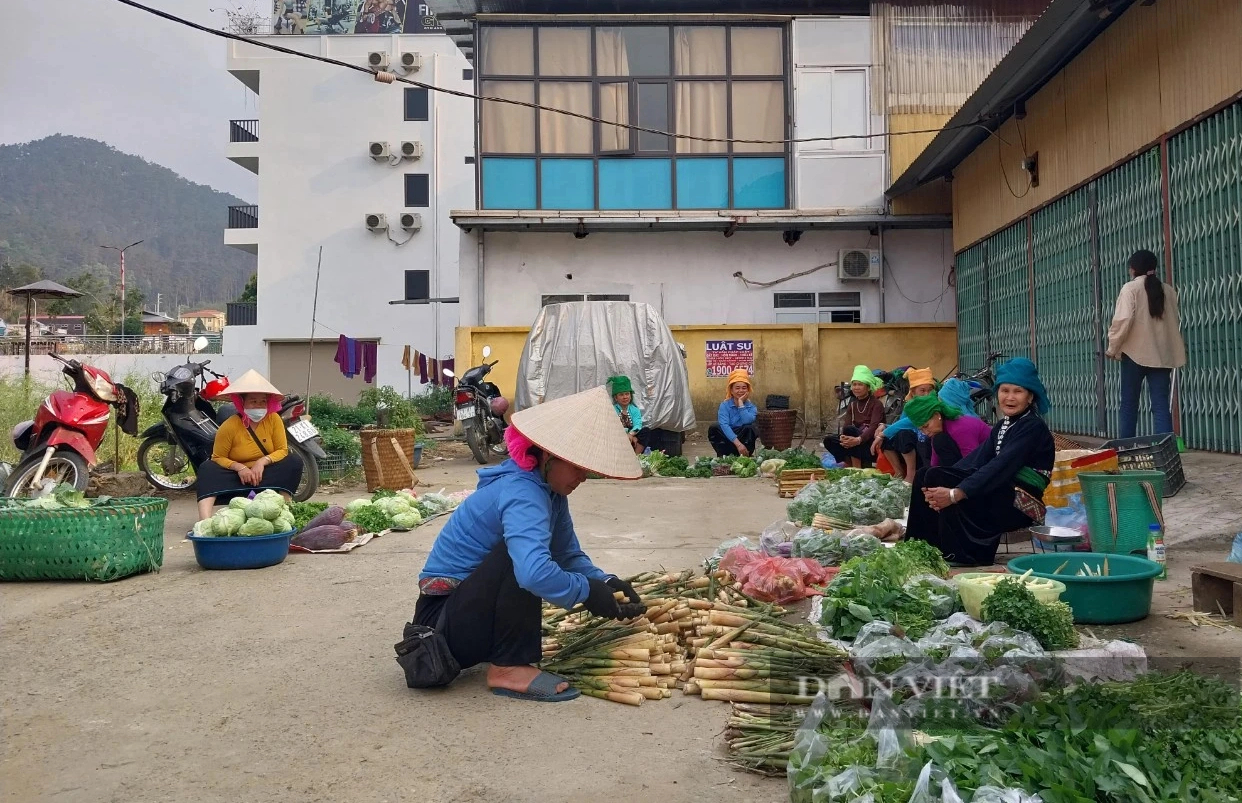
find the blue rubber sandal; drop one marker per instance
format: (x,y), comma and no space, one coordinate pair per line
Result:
(542,689)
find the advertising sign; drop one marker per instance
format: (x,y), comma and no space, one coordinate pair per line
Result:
(319,17)
(726,356)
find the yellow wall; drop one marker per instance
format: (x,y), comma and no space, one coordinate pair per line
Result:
(1153,70)
(904,148)
(804,362)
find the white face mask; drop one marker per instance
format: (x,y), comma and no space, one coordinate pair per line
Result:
(256,415)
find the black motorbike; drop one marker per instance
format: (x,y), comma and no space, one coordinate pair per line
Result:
(481,410)
(173,449)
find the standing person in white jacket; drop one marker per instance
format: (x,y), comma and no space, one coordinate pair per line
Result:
(1145,336)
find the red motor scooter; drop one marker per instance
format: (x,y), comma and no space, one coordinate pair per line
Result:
(59,445)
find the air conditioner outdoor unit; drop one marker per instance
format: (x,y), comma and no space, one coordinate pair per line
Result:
(377,60)
(379,151)
(858,264)
(411,62)
(377,222)
(412,150)
(411,221)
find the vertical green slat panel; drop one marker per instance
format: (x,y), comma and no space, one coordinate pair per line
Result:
(1009,292)
(1129,216)
(1065,311)
(972,332)
(1205,168)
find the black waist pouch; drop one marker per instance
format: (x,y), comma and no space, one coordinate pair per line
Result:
(424,656)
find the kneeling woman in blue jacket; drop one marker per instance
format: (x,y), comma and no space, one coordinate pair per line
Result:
(511,545)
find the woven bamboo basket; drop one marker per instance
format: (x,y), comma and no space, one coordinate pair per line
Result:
(105,542)
(776,428)
(388,458)
(795,479)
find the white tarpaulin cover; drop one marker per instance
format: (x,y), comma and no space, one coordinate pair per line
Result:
(577,346)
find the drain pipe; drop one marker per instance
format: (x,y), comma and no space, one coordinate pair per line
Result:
(479,279)
(883,305)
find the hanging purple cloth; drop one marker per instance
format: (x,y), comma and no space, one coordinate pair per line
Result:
(441,379)
(422,368)
(346,356)
(368,357)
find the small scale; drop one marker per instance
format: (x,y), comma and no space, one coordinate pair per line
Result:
(1058,539)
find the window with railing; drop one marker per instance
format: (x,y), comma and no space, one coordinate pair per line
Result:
(241,313)
(243,217)
(723,87)
(243,130)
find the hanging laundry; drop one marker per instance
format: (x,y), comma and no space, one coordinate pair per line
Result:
(347,356)
(405,358)
(422,368)
(443,380)
(368,357)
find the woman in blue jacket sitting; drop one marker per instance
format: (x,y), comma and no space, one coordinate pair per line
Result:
(734,431)
(511,545)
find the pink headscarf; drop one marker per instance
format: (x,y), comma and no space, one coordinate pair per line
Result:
(274,403)
(519,449)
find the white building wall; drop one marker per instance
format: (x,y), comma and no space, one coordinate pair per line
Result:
(317,182)
(689,276)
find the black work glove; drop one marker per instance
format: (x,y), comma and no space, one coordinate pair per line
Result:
(601,602)
(617,584)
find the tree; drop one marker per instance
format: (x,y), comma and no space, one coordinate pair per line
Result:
(200,328)
(250,293)
(134,299)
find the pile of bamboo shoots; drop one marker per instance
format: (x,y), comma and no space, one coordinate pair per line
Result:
(759,738)
(700,634)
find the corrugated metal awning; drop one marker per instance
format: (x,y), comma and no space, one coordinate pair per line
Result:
(586,222)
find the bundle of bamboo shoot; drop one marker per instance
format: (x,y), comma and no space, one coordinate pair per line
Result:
(759,738)
(626,662)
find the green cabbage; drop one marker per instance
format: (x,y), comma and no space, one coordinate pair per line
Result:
(261,508)
(256,526)
(227,521)
(274,496)
(284,522)
(392,505)
(239,503)
(407,520)
(356,505)
(203,528)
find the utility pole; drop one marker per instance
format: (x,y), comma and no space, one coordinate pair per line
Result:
(122,251)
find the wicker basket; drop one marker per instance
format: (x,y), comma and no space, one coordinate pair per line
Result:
(105,542)
(795,479)
(776,428)
(388,458)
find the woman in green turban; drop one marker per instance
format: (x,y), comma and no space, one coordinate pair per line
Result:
(953,435)
(865,412)
(631,417)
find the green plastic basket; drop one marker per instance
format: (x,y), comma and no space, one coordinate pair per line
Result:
(1135,512)
(104,542)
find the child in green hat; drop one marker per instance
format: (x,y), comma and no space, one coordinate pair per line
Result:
(623,402)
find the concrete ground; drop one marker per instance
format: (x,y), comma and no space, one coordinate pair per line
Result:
(280,684)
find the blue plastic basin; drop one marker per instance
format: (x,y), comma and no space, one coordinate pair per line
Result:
(241,552)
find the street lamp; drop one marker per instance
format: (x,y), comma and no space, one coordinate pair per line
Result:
(122,251)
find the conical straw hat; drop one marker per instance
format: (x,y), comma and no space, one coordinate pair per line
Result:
(252,382)
(582,429)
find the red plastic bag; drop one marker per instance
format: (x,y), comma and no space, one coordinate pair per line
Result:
(737,560)
(773,580)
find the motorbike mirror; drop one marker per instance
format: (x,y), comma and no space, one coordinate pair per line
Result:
(200,343)
(487,352)
(449,373)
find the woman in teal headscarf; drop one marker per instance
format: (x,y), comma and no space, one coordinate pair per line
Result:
(963,510)
(862,416)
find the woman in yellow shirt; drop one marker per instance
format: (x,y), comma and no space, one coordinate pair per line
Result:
(251,452)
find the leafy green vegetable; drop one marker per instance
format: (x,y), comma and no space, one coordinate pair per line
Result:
(303,512)
(745,467)
(256,526)
(872,587)
(370,519)
(794,458)
(674,467)
(1051,623)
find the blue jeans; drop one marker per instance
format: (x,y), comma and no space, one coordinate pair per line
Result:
(1159,381)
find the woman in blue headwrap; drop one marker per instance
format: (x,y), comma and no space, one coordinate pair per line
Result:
(963,510)
(905,446)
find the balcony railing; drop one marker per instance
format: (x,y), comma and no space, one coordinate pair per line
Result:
(243,217)
(241,313)
(116,344)
(243,130)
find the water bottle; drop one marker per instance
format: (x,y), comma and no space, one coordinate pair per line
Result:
(1155,549)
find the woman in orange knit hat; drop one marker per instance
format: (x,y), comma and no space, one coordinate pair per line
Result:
(734,431)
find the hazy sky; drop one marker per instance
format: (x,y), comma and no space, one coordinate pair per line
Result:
(99,69)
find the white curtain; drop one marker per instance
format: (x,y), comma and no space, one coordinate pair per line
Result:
(560,133)
(758,113)
(508,51)
(699,51)
(757,51)
(702,111)
(614,107)
(565,52)
(507,128)
(611,57)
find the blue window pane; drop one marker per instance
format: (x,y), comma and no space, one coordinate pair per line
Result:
(568,184)
(702,183)
(635,183)
(508,183)
(759,183)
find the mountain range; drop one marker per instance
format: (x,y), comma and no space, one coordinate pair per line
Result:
(62,197)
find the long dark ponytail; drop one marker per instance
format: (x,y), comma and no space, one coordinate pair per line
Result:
(1145,264)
